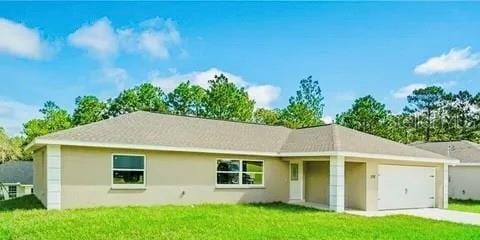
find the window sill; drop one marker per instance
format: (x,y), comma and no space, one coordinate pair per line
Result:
(238,187)
(128,187)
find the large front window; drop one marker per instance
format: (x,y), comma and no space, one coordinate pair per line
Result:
(128,171)
(240,172)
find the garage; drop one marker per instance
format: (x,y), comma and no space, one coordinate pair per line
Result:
(403,187)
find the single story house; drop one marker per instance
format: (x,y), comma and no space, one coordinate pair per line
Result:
(464,177)
(147,158)
(16,179)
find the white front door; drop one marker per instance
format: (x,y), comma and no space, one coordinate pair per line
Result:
(402,187)
(296,181)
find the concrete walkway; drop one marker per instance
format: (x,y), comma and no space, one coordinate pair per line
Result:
(430,213)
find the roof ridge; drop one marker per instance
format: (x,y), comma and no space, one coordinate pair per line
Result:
(210,119)
(284,142)
(85,125)
(414,148)
(154,113)
(335,139)
(471,143)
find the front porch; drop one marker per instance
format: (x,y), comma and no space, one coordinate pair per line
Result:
(328,183)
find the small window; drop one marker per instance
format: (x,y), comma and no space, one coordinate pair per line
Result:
(128,170)
(294,171)
(12,191)
(240,172)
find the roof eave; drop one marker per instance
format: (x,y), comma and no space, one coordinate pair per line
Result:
(369,156)
(459,164)
(32,144)
(42,142)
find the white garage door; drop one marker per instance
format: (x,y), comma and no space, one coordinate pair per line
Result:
(401,187)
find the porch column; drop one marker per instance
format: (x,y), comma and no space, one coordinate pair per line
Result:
(337,183)
(53,165)
(445,186)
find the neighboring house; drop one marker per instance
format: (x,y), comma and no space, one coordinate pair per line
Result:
(464,177)
(16,179)
(146,158)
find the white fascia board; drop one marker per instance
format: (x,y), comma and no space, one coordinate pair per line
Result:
(30,145)
(233,152)
(367,155)
(151,147)
(464,164)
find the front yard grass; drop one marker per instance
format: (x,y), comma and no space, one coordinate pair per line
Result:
(464,205)
(221,221)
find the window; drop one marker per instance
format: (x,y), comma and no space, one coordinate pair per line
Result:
(12,191)
(240,172)
(294,172)
(128,171)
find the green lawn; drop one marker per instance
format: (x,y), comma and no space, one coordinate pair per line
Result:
(464,205)
(249,221)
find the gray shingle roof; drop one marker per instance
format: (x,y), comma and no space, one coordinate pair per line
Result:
(16,172)
(153,129)
(465,151)
(334,137)
(144,128)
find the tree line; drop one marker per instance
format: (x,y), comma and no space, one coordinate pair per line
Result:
(221,100)
(431,114)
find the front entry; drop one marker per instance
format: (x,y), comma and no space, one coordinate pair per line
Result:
(403,187)
(296,181)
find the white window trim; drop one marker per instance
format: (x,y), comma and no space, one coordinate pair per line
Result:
(15,192)
(240,172)
(129,186)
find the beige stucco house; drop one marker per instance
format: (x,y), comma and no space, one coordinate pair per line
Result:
(464,176)
(147,158)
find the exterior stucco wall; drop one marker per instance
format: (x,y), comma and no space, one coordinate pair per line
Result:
(39,176)
(355,185)
(372,179)
(463,182)
(171,178)
(317,182)
(25,190)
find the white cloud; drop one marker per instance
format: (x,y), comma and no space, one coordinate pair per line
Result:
(154,37)
(407,90)
(98,38)
(20,41)
(327,119)
(403,92)
(157,37)
(264,95)
(13,114)
(168,83)
(118,76)
(453,61)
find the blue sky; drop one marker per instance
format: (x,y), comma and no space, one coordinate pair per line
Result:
(58,51)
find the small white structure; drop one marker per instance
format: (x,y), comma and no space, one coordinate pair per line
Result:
(464,177)
(16,179)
